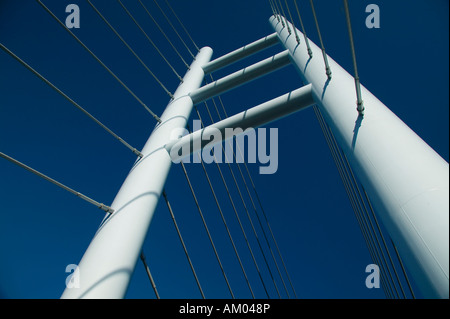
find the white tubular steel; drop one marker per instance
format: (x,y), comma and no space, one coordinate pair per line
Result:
(241,77)
(406,180)
(241,53)
(257,116)
(108,263)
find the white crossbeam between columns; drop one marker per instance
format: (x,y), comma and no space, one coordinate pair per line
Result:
(241,53)
(241,77)
(260,115)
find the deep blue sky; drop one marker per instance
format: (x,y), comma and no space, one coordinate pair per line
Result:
(43,228)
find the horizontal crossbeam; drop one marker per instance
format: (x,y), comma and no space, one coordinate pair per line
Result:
(241,77)
(252,118)
(241,53)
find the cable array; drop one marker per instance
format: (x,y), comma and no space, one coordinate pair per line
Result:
(41,77)
(274,11)
(237,216)
(130,49)
(169,207)
(182,25)
(371,230)
(245,206)
(292,20)
(174,29)
(216,200)
(283,15)
(277,10)
(325,57)
(150,41)
(164,34)
(260,205)
(100,61)
(207,230)
(303,29)
(367,220)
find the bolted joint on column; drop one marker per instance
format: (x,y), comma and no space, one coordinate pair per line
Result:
(360,108)
(329,73)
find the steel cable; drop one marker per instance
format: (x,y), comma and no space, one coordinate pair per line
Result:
(283,15)
(404,271)
(375,234)
(223,217)
(280,18)
(174,29)
(182,25)
(363,215)
(246,209)
(325,57)
(292,21)
(237,216)
(272,7)
(51,180)
(182,243)
(149,274)
(303,30)
(359,102)
(151,41)
(164,34)
(207,229)
(350,195)
(100,62)
(374,217)
(130,49)
(259,200)
(134,150)
(359,206)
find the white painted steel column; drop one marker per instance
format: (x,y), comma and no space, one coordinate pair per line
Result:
(108,263)
(406,180)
